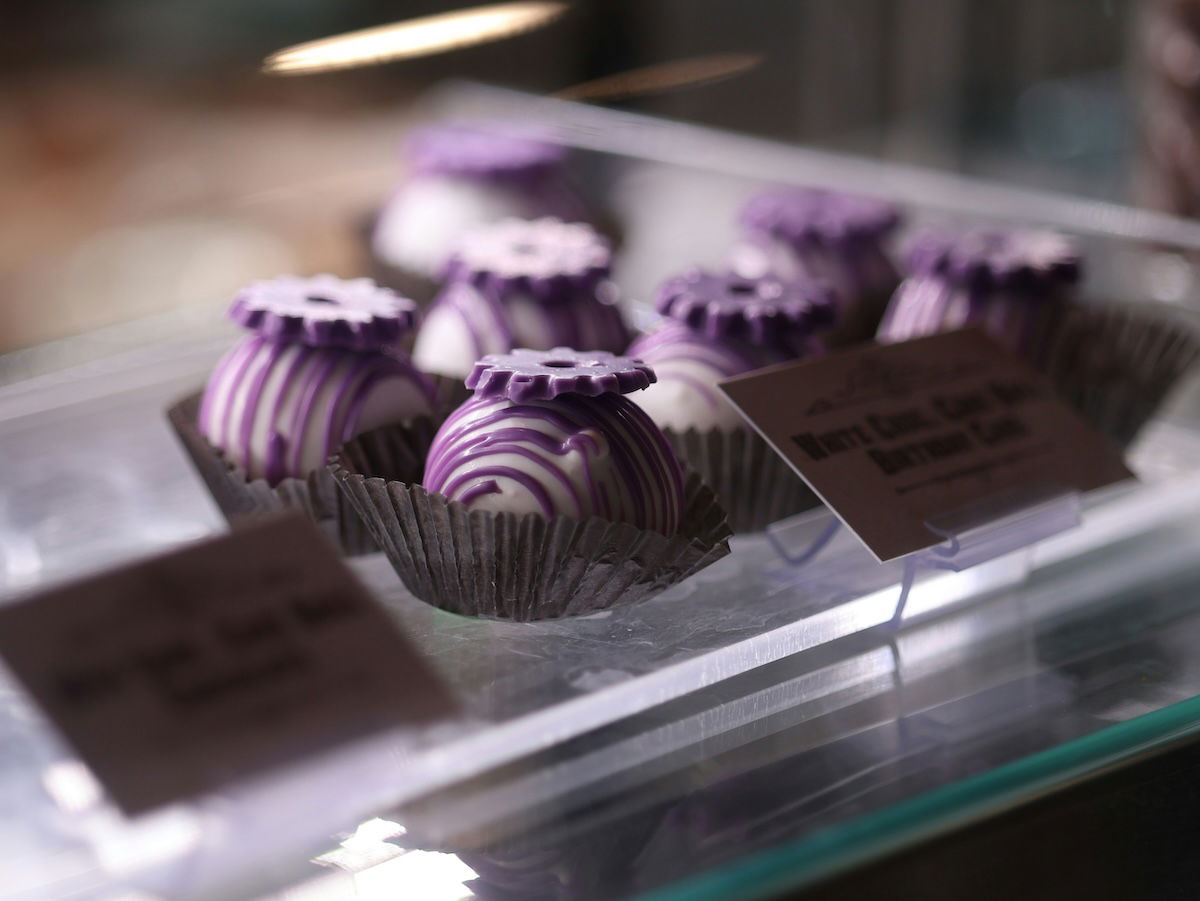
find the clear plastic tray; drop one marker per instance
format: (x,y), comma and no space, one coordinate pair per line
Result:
(93,477)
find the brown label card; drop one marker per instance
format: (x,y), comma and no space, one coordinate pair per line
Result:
(892,436)
(174,676)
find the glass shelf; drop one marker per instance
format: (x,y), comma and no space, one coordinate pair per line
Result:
(632,716)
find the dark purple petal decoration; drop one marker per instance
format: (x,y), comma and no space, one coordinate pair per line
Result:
(548,259)
(800,216)
(762,310)
(325,311)
(1033,262)
(526,375)
(480,150)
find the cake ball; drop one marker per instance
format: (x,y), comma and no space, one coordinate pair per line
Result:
(1015,284)
(552,433)
(548,493)
(535,284)
(461,176)
(808,233)
(321,364)
(717,326)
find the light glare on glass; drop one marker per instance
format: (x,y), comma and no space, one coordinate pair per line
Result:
(413,37)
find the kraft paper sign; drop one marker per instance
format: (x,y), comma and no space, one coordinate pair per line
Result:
(173,676)
(893,436)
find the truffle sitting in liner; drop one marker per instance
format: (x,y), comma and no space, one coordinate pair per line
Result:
(547,494)
(841,239)
(716,327)
(539,285)
(319,367)
(462,175)
(1016,285)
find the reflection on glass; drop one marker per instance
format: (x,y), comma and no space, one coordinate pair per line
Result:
(682,73)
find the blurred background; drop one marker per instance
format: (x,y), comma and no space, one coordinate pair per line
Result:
(147,164)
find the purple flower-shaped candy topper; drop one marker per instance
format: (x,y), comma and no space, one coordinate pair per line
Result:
(525,375)
(325,311)
(483,151)
(1030,262)
(548,259)
(813,217)
(765,310)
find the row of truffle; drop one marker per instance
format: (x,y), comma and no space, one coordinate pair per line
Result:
(811,270)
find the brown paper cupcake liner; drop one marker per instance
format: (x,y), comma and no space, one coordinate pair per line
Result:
(754,484)
(1117,364)
(240,497)
(503,566)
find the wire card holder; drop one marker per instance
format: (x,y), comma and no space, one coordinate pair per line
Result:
(975,534)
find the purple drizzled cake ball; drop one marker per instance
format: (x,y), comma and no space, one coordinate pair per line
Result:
(1014,284)
(517,283)
(806,233)
(718,326)
(461,176)
(551,433)
(319,366)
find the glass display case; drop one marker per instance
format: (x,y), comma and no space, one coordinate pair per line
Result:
(763,724)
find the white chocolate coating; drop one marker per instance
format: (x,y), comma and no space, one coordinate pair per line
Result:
(423,222)
(463,326)
(688,367)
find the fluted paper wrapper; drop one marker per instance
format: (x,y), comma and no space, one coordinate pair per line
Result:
(504,566)
(753,484)
(1116,365)
(240,497)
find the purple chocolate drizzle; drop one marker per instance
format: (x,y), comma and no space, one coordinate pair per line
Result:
(238,389)
(472,456)
(324,311)
(526,375)
(765,311)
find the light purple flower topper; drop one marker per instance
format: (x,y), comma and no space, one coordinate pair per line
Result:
(812,216)
(324,311)
(982,259)
(548,259)
(526,375)
(764,310)
(477,150)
